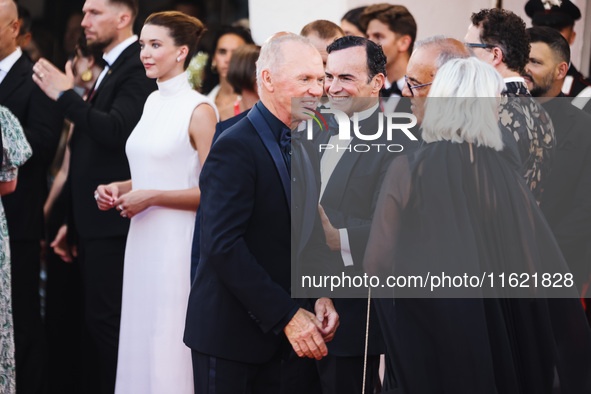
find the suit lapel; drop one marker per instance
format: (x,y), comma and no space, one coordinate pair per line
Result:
(335,189)
(14,78)
(130,51)
(267,137)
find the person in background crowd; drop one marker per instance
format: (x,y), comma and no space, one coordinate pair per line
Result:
(24,35)
(565,203)
(561,16)
(350,23)
(321,34)
(394,29)
(41,121)
(15,151)
(63,294)
(498,37)
(215,82)
(102,125)
(242,74)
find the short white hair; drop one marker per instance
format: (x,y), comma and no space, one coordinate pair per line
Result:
(463,104)
(271,56)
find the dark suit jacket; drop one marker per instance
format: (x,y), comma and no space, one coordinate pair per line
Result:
(42,123)
(241,291)
(98,141)
(349,201)
(566,201)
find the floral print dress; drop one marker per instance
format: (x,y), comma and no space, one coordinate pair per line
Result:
(15,151)
(532,128)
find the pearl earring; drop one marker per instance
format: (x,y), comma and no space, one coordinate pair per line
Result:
(178,59)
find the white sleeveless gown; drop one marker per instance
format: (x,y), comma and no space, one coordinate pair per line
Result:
(152,356)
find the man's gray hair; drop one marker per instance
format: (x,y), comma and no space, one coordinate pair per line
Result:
(271,56)
(448,49)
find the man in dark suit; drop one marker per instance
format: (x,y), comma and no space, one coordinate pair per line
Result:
(42,124)
(351,180)
(102,125)
(566,201)
(240,315)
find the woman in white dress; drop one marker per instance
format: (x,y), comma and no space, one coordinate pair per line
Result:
(165,151)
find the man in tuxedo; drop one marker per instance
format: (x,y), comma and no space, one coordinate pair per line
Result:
(240,315)
(394,28)
(102,125)
(42,124)
(566,202)
(351,179)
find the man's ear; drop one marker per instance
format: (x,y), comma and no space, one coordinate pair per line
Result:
(498,56)
(561,70)
(403,43)
(124,20)
(378,82)
(267,81)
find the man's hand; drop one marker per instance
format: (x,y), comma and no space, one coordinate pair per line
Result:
(333,238)
(51,80)
(328,318)
(304,334)
(60,245)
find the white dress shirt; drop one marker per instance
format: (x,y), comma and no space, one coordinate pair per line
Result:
(7,63)
(328,163)
(112,56)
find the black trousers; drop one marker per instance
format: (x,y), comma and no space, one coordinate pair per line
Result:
(101,264)
(29,333)
(285,373)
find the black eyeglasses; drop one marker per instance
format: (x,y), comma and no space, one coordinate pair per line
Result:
(478,45)
(411,88)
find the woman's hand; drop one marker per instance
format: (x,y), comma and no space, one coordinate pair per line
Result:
(134,202)
(106,195)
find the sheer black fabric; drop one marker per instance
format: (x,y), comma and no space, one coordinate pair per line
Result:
(462,209)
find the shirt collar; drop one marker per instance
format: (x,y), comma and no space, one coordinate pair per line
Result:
(366,113)
(399,82)
(7,63)
(111,56)
(274,123)
(514,79)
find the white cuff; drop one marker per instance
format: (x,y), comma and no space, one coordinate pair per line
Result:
(345,248)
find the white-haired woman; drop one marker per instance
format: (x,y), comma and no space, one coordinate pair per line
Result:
(456,208)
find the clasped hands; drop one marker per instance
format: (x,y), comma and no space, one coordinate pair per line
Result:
(308,332)
(128,204)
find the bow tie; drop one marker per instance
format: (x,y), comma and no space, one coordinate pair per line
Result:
(391,90)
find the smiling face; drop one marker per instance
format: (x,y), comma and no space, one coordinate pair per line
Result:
(159,53)
(223,52)
(347,78)
(300,73)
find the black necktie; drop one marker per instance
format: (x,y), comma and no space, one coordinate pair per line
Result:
(391,90)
